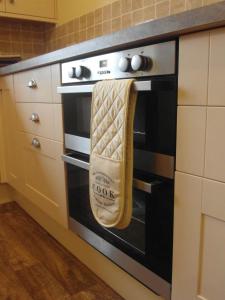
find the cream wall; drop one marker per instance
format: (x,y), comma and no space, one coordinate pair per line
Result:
(70,9)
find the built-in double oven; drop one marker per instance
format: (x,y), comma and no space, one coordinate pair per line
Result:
(144,248)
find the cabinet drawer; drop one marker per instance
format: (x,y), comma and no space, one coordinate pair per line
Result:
(33,85)
(44,176)
(41,119)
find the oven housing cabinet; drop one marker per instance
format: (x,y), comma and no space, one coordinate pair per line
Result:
(144,248)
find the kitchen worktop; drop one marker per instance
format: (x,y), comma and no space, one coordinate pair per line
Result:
(204,18)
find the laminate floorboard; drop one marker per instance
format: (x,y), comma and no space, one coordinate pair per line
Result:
(34,266)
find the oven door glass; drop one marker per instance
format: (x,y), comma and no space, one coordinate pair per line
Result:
(77,114)
(79,209)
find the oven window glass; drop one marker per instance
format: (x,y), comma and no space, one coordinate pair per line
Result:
(79,209)
(77,114)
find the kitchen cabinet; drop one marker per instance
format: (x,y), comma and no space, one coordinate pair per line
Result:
(34,145)
(42,10)
(187,230)
(12,164)
(2,6)
(199,218)
(44,178)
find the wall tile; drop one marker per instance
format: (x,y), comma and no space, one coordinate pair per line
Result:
(106,27)
(116,24)
(90,19)
(98,15)
(126,20)
(149,13)
(138,16)
(137,4)
(116,9)
(126,6)
(176,6)
(162,9)
(107,12)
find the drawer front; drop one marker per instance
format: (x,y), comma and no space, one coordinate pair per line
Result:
(33,86)
(42,119)
(44,175)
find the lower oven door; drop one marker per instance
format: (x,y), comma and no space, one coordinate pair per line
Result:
(143,248)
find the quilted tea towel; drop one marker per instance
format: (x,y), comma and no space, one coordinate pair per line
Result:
(111,159)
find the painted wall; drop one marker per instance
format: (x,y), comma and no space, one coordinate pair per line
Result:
(70,9)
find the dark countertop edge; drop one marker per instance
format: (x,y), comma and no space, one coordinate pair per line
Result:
(199,19)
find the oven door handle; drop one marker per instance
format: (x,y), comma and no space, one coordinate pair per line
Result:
(76,162)
(140,86)
(137,183)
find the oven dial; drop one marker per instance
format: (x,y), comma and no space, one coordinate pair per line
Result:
(71,73)
(124,64)
(140,63)
(79,71)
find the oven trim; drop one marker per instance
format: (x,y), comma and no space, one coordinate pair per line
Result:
(160,164)
(157,284)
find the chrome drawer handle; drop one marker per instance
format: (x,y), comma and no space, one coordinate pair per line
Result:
(36,143)
(32,84)
(35,118)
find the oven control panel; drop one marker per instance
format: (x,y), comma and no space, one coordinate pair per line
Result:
(152,60)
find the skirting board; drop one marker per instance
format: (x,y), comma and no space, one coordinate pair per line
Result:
(116,278)
(5,193)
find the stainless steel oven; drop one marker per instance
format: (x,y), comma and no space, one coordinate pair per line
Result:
(144,248)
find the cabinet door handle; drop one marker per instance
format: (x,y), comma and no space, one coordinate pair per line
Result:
(36,143)
(32,84)
(34,117)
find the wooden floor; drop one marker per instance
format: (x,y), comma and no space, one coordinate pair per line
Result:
(35,266)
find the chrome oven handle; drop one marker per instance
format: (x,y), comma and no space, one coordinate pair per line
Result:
(137,183)
(140,86)
(76,162)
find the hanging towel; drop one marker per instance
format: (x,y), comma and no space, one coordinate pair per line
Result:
(111,158)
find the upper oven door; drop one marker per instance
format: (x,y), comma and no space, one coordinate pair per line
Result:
(154,123)
(77,114)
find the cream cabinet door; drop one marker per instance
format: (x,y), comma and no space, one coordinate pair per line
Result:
(212,271)
(37,8)
(11,139)
(2,6)
(44,176)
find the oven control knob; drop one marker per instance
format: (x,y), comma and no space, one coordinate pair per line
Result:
(71,73)
(79,71)
(124,64)
(140,63)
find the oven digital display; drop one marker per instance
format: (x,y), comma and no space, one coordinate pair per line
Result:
(103,63)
